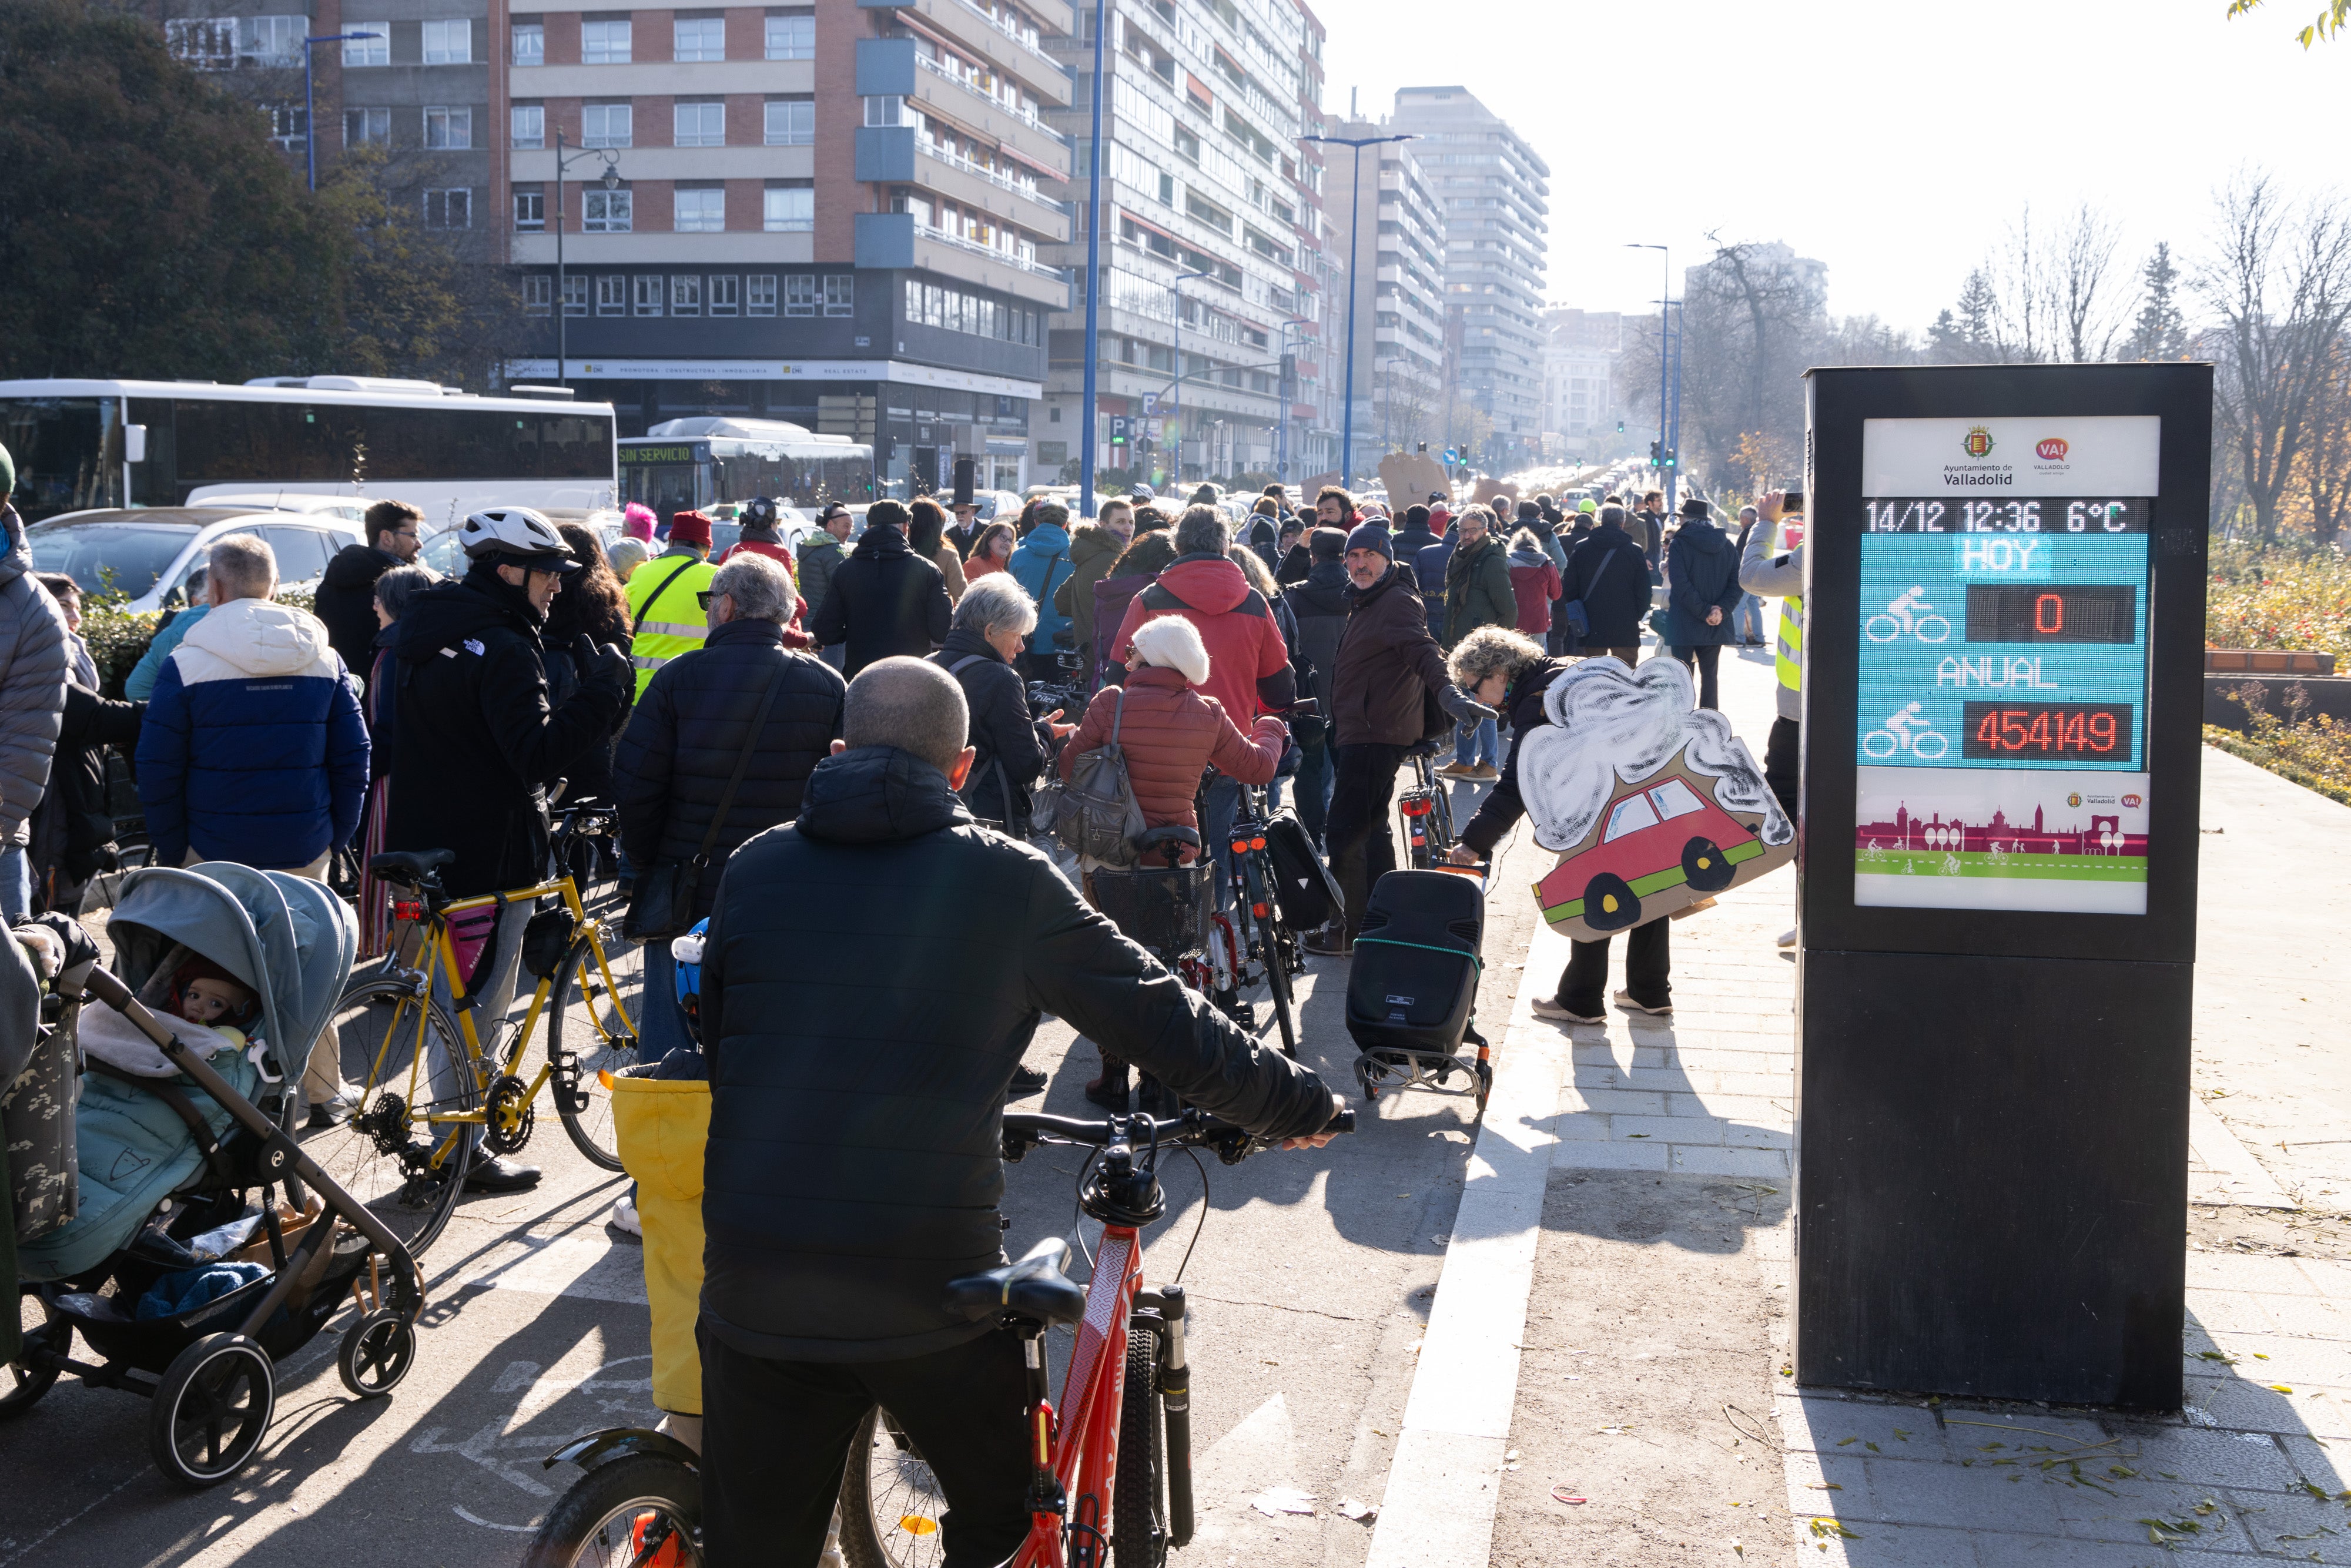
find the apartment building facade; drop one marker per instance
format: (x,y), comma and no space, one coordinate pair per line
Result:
(1209,241)
(1398,258)
(1581,413)
(1496,194)
(829,214)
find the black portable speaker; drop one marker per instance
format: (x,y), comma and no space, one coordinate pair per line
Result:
(1414,982)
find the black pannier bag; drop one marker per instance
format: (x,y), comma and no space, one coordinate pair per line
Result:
(1414,982)
(1302,885)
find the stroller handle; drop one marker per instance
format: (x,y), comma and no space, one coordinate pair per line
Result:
(280,1152)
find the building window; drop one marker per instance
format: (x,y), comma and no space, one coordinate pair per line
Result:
(448,129)
(759,294)
(799,294)
(685,296)
(605,125)
(530,43)
(611,294)
(603,43)
(528,123)
(289,125)
(575,295)
(448,209)
(607,212)
(270,40)
(700,210)
(538,293)
(891,112)
(793,37)
(373,50)
(726,295)
(649,295)
(366,127)
(203,42)
(700,124)
(449,43)
(791,122)
(700,38)
(530,212)
(839,293)
(790,208)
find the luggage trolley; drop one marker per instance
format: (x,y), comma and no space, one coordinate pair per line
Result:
(1412,991)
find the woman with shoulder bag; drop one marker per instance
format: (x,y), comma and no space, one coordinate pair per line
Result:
(992,621)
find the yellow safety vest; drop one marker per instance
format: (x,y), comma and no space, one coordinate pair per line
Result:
(1788,651)
(667,585)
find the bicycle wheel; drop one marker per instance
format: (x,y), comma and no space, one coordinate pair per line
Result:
(1271,936)
(1138,1508)
(603,1020)
(891,1504)
(641,1509)
(592,863)
(407,1061)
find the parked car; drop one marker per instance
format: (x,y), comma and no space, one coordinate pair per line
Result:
(349,509)
(146,553)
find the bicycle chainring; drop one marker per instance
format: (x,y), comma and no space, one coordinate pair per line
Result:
(509,1112)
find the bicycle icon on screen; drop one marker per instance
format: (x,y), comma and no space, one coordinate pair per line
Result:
(1905,617)
(1905,731)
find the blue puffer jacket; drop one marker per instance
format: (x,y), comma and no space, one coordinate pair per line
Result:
(252,749)
(1035,566)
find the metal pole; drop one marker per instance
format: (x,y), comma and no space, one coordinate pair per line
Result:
(1673,474)
(1354,237)
(310,113)
(1093,276)
(1175,468)
(563,297)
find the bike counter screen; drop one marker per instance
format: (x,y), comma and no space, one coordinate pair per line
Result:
(2004,663)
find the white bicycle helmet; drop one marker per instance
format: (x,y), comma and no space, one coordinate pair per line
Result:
(517,532)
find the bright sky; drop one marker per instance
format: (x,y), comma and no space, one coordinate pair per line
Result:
(1895,140)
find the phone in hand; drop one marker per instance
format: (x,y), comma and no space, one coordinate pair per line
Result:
(1794,502)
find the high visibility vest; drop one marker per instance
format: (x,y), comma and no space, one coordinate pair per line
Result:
(1788,650)
(674,622)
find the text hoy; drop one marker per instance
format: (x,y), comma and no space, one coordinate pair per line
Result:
(1992,670)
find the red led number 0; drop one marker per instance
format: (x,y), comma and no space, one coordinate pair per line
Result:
(2049,613)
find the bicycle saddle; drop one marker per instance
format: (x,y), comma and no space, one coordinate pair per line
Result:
(410,865)
(1154,838)
(1035,1287)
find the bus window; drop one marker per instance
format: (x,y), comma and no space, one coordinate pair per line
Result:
(64,451)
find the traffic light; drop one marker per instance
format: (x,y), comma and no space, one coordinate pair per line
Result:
(1620,427)
(1657,452)
(1118,430)
(1669,457)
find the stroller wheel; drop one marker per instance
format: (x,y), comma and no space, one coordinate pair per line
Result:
(211,1410)
(33,1373)
(377,1352)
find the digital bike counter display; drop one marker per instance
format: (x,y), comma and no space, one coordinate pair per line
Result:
(2003,668)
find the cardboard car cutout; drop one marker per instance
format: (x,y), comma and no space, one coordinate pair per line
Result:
(1650,800)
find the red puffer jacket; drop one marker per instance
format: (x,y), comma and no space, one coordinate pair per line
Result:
(1249,663)
(1170,734)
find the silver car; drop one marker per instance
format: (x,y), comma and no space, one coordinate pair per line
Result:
(147,553)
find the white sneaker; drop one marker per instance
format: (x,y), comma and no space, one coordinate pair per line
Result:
(1544,1008)
(1788,938)
(1625,999)
(623,1218)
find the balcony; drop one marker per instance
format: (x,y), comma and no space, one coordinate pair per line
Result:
(983,34)
(895,240)
(888,68)
(899,155)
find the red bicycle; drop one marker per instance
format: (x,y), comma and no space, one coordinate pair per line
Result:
(1110,1469)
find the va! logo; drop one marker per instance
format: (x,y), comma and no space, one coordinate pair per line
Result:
(1978,442)
(2134,802)
(2051,450)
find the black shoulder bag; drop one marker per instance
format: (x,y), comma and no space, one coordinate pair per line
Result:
(663,905)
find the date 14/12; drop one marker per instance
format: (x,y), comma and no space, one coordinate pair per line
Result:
(1994,516)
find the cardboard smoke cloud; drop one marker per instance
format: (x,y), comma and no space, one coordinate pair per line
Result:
(1651,801)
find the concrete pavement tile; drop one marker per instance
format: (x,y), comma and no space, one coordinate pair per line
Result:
(2289,1359)
(2236,1272)
(2303,1316)
(2196,1456)
(1701,1159)
(1822,1425)
(2322,1465)
(1779,1086)
(1834,1482)
(1594,1157)
(1580,1126)
(2295,1525)
(2241,1404)
(2090,1517)
(1675,1129)
(2333,1279)
(1629,1101)
(1876,1546)
(2061,1552)
(2036,1432)
(1962,1498)
(1748,1136)
(2231,1312)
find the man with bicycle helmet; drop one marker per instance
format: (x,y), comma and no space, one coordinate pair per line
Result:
(871,975)
(762,535)
(478,741)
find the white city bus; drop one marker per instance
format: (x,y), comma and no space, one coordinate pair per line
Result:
(80,444)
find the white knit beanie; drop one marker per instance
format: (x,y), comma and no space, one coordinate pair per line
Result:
(1173,643)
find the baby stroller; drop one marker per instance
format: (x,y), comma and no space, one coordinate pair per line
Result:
(196,1245)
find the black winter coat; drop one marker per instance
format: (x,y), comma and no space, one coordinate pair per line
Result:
(1702,573)
(873,974)
(1621,603)
(1011,751)
(571,616)
(884,600)
(346,602)
(73,828)
(681,743)
(1320,606)
(479,740)
(1522,708)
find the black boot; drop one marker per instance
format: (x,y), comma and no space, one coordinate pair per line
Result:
(1111,1090)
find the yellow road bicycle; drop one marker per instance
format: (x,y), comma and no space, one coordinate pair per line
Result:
(433,1089)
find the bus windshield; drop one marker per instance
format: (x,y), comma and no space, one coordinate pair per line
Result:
(66,451)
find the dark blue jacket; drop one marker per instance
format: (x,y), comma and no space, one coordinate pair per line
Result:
(1702,570)
(1620,604)
(252,749)
(1428,566)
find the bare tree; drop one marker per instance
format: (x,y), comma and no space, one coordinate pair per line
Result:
(2280,283)
(2088,308)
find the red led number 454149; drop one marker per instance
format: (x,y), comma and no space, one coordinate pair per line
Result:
(2002,731)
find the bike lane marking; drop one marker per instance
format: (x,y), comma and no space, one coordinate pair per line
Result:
(1443,1480)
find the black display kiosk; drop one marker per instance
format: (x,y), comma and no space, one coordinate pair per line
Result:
(2003,692)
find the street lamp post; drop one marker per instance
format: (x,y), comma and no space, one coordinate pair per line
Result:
(1282,391)
(610,181)
(1670,391)
(310,100)
(1093,272)
(1354,237)
(1176,288)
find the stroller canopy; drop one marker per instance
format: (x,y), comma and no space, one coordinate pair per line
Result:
(287,937)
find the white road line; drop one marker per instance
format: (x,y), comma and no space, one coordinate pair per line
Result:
(1443,1481)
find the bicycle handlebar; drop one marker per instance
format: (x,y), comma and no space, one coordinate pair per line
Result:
(1024,1130)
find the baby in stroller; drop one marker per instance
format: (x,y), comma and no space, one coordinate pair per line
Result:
(159,1210)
